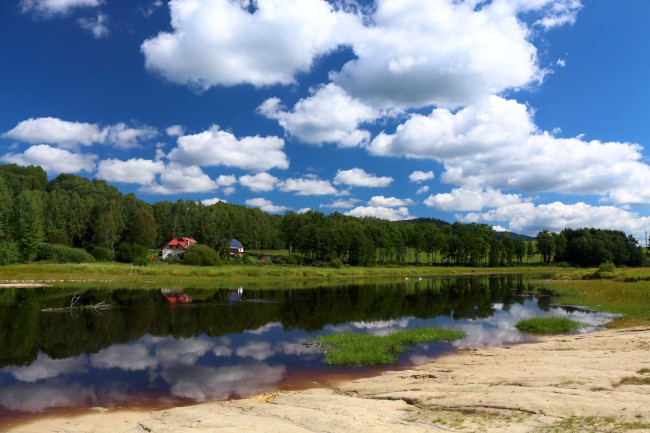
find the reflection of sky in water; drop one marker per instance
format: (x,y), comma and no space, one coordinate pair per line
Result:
(247,363)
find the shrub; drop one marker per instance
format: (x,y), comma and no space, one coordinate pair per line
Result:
(102,254)
(294,260)
(57,236)
(336,263)
(63,254)
(201,255)
(8,253)
(607,267)
(132,253)
(248,260)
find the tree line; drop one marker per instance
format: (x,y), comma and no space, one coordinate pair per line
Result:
(71,218)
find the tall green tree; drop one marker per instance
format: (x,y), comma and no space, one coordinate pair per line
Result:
(143,229)
(28,221)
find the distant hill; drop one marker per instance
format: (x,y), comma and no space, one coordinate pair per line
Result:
(441,223)
(514,236)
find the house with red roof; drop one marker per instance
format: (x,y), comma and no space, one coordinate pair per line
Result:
(177,247)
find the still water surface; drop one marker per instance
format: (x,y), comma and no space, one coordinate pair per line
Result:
(162,347)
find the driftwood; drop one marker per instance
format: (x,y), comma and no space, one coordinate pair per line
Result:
(95,308)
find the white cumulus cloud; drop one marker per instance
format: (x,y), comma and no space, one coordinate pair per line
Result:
(528,218)
(259,182)
(495,145)
(136,170)
(420,176)
(216,147)
(175,130)
(463,199)
(222,42)
(438,52)
(329,115)
(386,213)
(381,201)
(358,177)
(265,205)
(56,131)
(307,187)
(342,204)
(71,135)
(177,179)
(52,159)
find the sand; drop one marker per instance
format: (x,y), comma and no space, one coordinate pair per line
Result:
(563,384)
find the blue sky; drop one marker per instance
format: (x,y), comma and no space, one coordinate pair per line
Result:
(521,114)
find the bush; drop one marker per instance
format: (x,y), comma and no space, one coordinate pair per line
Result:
(63,254)
(8,253)
(102,254)
(248,260)
(201,255)
(294,260)
(336,263)
(132,253)
(57,236)
(607,267)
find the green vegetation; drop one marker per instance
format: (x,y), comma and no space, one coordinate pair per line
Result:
(624,291)
(157,275)
(590,247)
(368,349)
(634,380)
(548,325)
(92,215)
(593,424)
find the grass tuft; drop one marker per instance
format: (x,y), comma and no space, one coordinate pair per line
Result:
(368,349)
(548,325)
(634,380)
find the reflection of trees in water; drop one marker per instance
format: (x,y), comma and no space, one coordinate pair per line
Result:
(25,330)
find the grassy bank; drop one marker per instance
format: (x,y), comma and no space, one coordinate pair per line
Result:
(622,291)
(369,349)
(548,325)
(180,276)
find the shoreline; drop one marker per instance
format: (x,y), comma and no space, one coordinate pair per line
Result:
(571,379)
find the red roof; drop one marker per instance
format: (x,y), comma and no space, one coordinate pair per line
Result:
(183,243)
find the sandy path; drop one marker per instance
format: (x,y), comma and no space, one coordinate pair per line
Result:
(564,384)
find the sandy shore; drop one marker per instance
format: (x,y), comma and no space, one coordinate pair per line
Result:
(564,384)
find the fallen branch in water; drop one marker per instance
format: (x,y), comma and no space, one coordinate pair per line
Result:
(96,308)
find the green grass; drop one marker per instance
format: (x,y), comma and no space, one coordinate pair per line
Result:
(368,349)
(627,293)
(548,325)
(592,424)
(118,275)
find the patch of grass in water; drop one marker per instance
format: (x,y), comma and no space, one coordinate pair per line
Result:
(368,349)
(548,325)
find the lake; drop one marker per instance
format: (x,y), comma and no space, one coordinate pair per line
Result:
(160,348)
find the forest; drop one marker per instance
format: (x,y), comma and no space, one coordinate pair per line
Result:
(73,219)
